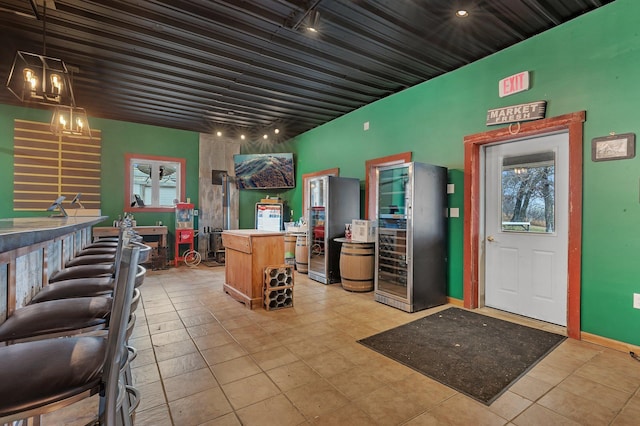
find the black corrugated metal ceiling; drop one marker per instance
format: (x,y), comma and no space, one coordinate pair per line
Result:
(252,65)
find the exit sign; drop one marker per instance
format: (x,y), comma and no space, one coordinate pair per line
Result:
(514,84)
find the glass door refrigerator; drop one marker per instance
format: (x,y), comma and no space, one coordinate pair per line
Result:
(411,254)
(333,202)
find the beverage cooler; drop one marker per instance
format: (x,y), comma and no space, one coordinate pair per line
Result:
(334,202)
(411,254)
(270,216)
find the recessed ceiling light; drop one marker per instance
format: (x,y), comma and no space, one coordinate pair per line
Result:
(219,133)
(313,20)
(276,131)
(462,13)
(265,136)
(242,137)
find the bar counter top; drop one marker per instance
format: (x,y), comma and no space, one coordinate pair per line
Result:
(26,231)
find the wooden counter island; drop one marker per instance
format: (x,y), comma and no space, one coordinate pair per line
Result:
(248,252)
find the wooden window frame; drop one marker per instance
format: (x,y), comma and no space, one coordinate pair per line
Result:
(305,178)
(127,183)
(370,166)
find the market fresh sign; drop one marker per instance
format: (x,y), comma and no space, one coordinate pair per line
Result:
(515,113)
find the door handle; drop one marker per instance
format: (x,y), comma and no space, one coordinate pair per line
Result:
(490,239)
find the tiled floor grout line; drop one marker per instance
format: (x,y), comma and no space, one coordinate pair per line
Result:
(356,312)
(265,372)
(153,348)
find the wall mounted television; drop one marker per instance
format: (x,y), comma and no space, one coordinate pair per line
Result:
(264,171)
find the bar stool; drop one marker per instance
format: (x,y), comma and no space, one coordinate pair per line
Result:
(84,270)
(92,259)
(96,250)
(62,317)
(73,368)
(82,287)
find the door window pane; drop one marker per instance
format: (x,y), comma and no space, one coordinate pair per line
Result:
(528,193)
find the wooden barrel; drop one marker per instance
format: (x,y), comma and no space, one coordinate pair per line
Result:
(289,246)
(302,254)
(357,261)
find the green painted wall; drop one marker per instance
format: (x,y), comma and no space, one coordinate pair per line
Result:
(590,63)
(118,138)
(7,115)
(587,64)
(456,235)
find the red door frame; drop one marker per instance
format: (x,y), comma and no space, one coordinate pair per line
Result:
(472,145)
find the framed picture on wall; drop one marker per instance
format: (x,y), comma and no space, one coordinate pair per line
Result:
(613,147)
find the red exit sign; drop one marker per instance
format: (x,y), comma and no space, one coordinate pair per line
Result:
(514,84)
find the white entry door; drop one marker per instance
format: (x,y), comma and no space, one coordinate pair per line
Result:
(526,227)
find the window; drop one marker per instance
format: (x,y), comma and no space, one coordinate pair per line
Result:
(528,193)
(154,183)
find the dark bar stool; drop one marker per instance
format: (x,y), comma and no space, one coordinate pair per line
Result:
(92,259)
(82,287)
(73,368)
(87,251)
(98,268)
(62,317)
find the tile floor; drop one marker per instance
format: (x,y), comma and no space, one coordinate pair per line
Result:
(204,359)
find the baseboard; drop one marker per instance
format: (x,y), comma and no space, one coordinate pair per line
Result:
(586,337)
(455,302)
(609,343)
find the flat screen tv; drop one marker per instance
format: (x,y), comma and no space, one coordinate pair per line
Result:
(264,171)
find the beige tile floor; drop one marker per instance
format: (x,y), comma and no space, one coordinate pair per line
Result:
(204,359)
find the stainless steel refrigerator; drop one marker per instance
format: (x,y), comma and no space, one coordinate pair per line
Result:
(333,202)
(411,251)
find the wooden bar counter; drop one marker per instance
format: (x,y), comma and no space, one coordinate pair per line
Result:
(248,252)
(33,248)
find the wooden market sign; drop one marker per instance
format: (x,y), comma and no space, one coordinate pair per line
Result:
(515,113)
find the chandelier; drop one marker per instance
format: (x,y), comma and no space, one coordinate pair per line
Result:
(40,79)
(69,120)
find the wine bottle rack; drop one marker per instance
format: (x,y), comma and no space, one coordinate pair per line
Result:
(278,287)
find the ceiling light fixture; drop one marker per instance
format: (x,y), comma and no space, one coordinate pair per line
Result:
(40,79)
(462,13)
(67,120)
(313,20)
(276,131)
(242,137)
(265,136)
(218,133)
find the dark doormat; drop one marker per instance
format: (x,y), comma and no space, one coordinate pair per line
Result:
(477,355)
